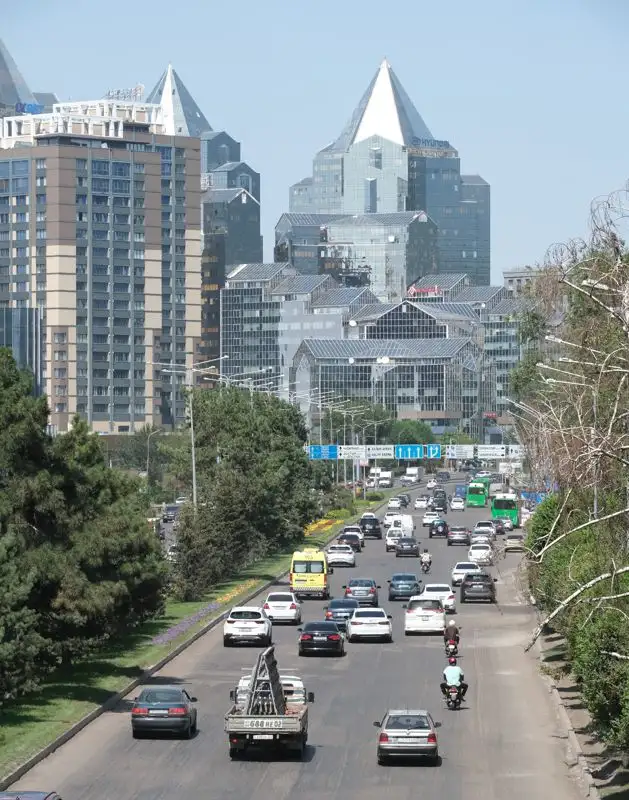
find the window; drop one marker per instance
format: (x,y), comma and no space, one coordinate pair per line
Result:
(40,180)
(138,168)
(121,186)
(21,184)
(138,186)
(120,169)
(81,163)
(40,163)
(40,233)
(60,408)
(60,355)
(60,372)
(100,167)
(20,200)
(40,216)
(20,168)
(100,185)
(100,217)
(121,219)
(244,181)
(59,338)
(20,235)
(61,390)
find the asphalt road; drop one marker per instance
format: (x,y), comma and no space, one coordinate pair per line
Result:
(502,745)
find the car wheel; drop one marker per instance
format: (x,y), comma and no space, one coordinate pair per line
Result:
(389,639)
(382,761)
(300,653)
(189,732)
(435,760)
(350,639)
(449,544)
(226,641)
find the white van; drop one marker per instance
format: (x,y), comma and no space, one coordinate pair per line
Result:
(403,523)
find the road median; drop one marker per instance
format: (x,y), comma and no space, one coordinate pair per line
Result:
(42,722)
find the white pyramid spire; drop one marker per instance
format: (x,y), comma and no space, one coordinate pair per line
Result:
(182,116)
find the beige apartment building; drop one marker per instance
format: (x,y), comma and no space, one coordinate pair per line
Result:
(100,229)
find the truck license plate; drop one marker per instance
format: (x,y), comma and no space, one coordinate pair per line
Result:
(263,723)
(265,736)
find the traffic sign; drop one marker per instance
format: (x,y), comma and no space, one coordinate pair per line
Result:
(409,452)
(433,450)
(490,451)
(323,452)
(352,451)
(516,451)
(459,451)
(380,451)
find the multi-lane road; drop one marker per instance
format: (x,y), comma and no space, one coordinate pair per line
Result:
(503,745)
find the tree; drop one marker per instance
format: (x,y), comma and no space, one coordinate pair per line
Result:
(407,431)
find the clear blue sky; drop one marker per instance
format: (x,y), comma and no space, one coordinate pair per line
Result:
(533,93)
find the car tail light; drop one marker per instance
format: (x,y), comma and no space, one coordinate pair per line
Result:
(354,622)
(230,621)
(293,606)
(372,590)
(266,606)
(334,637)
(177,711)
(348,590)
(432,738)
(383,737)
(328,615)
(259,622)
(451,597)
(305,637)
(139,711)
(383,622)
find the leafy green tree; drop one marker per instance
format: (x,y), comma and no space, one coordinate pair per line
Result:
(410,431)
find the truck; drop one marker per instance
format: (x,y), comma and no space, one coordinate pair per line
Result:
(268,711)
(411,476)
(385,479)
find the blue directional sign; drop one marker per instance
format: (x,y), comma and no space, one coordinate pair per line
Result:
(433,451)
(323,452)
(409,452)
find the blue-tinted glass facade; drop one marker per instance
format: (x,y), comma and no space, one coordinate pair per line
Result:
(21,333)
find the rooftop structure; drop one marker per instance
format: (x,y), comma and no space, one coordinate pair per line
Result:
(15,95)
(182,116)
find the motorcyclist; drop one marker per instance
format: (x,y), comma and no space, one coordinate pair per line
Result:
(451,632)
(453,676)
(425,557)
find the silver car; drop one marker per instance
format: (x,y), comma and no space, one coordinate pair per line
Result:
(407,733)
(365,590)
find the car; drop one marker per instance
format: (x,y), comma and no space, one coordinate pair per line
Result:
(431,483)
(341,555)
(372,623)
(180,501)
(247,624)
(283,607)
(443,476)
(478,586)
(458,534)
(372,528)
(482,554)
(340,610)
(499,527)
(352,539)
(407,733)
(408,480)
(365,590)
(321,637)
(421,502)
(485,525)
(438,527)
(392,537)
(407,546)
(404,585)
(457,504)
(173,553)
(506,521)
(357,530)
(440,591)
(463,568)
(394,503)
(27,795)
(424,615)
(428,518)
(514,543)
(389,517)
(480,537)
(406,499)
(164,709)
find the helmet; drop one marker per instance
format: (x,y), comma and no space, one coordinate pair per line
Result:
(425,549)
(452,624)
(452,661)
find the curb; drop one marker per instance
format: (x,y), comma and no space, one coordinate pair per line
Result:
(7,780)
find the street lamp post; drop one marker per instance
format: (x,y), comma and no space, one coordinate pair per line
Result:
(148,450)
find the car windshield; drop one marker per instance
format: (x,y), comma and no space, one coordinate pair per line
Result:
(311,567)
(361,582)
(408,540)
(479,547)
(280,598)
(246,615)
(439,589)
(517,536)
(479,578)
(352,529)
(340,548)
(343,604)
(476,490)
(406,722)
(485,524)
(330,627)
(432,605)
(403,577)
(375,613)
(465,565)
(160,696)
(458,529)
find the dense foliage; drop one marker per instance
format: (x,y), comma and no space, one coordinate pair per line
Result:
(78,563)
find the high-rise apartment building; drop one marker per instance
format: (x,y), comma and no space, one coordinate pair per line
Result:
(387,161)
(100,229)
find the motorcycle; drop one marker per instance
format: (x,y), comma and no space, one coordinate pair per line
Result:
(453,698)
(426,566)
(452,649)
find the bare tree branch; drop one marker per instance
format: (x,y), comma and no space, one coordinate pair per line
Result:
(585,525)
(613,654)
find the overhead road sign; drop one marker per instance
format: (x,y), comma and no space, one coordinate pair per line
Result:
(352,451)
(432,450)
(515,451)
(323,452)
(459,451)
(490,452)
(409,452)
(380,451)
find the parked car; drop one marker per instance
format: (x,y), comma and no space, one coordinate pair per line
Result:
(159,709)
(407,734)
(404,585)
(478,586)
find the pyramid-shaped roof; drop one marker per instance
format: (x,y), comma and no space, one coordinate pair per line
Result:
(13,88)
(384,110)
(182,116)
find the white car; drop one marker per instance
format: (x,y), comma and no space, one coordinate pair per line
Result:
(485,526)
(394,503)
(481,554)
(429,516)
(369,623)
(283,607)
(463,568)
(432,484)
(341,555)
(247,624)
(181,500)
(440,591)
(173,553)
(457,504)
(421,503)
(480,537)
(392,537)
(424,615)
(389,517)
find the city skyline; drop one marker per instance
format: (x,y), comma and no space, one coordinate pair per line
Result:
(482,90)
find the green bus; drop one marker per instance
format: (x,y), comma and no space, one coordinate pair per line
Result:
(506,505)
(477,494)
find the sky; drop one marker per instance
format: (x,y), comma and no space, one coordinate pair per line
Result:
(532,93)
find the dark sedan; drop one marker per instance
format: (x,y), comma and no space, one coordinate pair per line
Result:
(352,539)
(438,527)
(340,611)
(407,546)
(404,585)
(167,709)
(479,586)
(499,527)
(405,500)
(458,534)
(371,527)
(321,637)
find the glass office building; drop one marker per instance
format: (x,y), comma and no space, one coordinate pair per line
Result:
(21,333)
